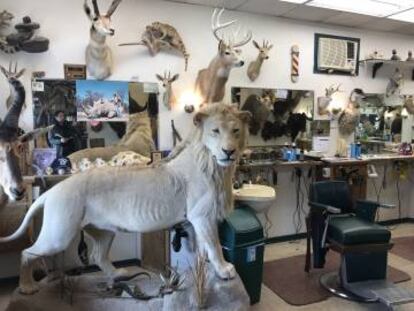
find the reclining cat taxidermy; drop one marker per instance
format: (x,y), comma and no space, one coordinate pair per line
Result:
(197,186)
(98,55)
(211,81)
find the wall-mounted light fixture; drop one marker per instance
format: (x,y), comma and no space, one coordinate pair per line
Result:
(190,101)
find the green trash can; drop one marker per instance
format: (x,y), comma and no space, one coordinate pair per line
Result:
(241,236)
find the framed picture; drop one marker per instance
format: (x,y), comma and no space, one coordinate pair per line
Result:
(102,100)
(74,72)
(336,55)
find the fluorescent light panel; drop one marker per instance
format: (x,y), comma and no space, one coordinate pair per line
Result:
(378,8)
(407,16)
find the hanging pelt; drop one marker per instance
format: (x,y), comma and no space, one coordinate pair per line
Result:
(296,124)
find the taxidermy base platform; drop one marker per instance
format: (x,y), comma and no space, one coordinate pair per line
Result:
(90,292)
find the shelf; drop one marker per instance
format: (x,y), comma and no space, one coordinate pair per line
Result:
(378,63)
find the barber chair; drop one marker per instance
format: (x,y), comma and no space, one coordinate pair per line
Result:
(335,222)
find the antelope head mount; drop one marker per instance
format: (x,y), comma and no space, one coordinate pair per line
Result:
(168,98)
(11,144)
(324,102)
(211,81)
(253,70)
(98,55)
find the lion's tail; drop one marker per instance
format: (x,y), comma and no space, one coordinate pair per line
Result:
(33,210)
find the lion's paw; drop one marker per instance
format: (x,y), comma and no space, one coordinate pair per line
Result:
(226,271)
(28,289)
(120,273)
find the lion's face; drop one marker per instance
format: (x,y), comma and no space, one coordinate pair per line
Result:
(224,131)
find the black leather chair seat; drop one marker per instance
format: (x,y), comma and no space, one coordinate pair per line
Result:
(353,230)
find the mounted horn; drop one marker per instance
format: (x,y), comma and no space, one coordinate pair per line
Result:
(11,120)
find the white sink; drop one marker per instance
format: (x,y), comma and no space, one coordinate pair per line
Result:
(258,197)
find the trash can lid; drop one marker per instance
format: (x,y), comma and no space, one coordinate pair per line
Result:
(243,219)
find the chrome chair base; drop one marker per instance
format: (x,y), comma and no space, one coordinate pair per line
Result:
(331,282)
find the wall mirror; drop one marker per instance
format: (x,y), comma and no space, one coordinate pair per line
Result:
(380,119)
(108,112)
(279,115)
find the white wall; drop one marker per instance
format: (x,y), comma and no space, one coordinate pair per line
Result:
(67,27)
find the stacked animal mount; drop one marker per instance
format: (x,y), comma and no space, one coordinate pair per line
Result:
(253,70)
(325,101)
(211,81)
(160,36)
(22,40)
(395,83)
(168,98)
(98,54)
(349,117)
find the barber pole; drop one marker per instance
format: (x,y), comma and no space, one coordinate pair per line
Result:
(294,75)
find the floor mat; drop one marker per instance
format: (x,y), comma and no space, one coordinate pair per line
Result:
(404,247)
(287,279)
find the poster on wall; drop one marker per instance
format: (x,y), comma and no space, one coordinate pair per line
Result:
(102,100)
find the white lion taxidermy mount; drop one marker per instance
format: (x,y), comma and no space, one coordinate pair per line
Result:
(211,81)
(98,55)
(193,184)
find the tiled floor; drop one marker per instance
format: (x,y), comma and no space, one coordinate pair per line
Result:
(272,302)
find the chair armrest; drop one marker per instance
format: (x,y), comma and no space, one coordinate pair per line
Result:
(323,207)
(366,209)
(387,206)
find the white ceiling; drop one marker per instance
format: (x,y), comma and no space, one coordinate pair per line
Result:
(309,13)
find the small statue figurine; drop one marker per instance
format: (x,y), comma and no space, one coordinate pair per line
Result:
(24,39)
(410,56)
(394,55)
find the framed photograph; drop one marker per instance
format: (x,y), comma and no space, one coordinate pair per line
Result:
(102,100)
(156,156)
(42,159)
(74,72)
(336,55)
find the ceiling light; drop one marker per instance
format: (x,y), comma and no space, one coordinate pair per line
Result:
(407,16)
(379,8)
(295,1)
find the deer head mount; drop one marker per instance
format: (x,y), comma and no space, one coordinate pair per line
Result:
(98,54)
(211,81)
(324,102)
(158,36)
(168,98)
(253,70)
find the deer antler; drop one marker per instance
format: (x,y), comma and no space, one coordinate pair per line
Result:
(216,25)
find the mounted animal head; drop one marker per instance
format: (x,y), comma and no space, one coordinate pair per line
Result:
(166,79)
(223,130)
(263,50)
(10,143)
(357,97)
(229,54)
(101,23)
(332,90)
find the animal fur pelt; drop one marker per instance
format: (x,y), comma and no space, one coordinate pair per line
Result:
(259,112)
(273,130)
(138,138)
(296,124)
